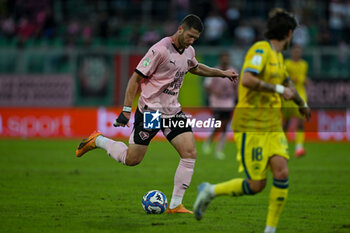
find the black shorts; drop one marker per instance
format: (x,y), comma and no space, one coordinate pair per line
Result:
(222,114)
(143,136)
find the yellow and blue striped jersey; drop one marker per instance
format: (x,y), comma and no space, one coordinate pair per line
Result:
(257,110)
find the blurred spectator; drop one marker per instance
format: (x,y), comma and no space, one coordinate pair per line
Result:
(25,30)
(324,22)
(233,16)
(150,37)
(244,34)
(215,26)
(301,36)
(8,27)
(86,34)
(179,9)
(222,6)
(46,24)
(336,19)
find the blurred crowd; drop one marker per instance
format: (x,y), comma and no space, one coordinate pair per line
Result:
(75,23)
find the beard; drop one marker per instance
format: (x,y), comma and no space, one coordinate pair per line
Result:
(181,42)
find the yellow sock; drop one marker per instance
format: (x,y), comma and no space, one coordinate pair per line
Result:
(278,196)
(300,138)
(234,187)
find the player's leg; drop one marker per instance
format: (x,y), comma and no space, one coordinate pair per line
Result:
(278,193)
(132,155)
(278,163)
(118,150)
(206,147)
(235,187)
(299,140)
(254,166)
(219,154)
(185,146)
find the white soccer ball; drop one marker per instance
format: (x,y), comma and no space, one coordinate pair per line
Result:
(154,202)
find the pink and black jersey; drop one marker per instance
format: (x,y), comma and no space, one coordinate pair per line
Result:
(222,92)
(163,68)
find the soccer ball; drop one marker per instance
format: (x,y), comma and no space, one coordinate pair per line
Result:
(154,202)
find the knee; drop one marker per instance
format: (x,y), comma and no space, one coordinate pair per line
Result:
(281,174)
(257,185)
(189,153)
(132,161)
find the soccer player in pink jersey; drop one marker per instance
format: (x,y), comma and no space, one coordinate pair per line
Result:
(222,95)
(160,74)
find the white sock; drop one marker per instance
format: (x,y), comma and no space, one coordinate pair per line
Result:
(212,190)
(101,141)
(269,229)
(299,146)
(175,201)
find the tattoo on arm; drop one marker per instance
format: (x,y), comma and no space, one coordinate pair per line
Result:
(264,86)
(268,87)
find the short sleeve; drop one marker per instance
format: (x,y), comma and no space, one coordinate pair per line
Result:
(192,63)
(149,63)
(256,58)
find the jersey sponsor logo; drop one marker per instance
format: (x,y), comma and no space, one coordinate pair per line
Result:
(146,61)
(170,92)
(256,60)
(151,120)
(259,51)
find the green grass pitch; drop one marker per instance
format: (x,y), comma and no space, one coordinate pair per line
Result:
(45,188)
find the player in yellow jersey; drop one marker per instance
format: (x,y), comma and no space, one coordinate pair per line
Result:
(297,69)
(257,122)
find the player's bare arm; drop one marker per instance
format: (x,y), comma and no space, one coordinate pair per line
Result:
(131,91)
(304,109)
(203,70)
(251,81)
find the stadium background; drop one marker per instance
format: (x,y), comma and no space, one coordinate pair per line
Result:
(65,64)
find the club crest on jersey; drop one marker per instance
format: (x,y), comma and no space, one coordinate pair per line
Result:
(151,120)
(146,62)
(256,60)
(143,135)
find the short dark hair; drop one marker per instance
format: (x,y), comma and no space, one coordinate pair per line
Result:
(192,21)
(279,23)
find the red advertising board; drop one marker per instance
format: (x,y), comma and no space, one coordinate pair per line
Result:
(326,125)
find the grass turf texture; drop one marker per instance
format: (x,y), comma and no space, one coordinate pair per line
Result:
(45,188)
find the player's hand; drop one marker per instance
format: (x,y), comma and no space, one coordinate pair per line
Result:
(232,75)
(288,93)
(122,120)
(305,111)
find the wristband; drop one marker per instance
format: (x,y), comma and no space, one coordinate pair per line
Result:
(305,105)
(279,89)
(126,109)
